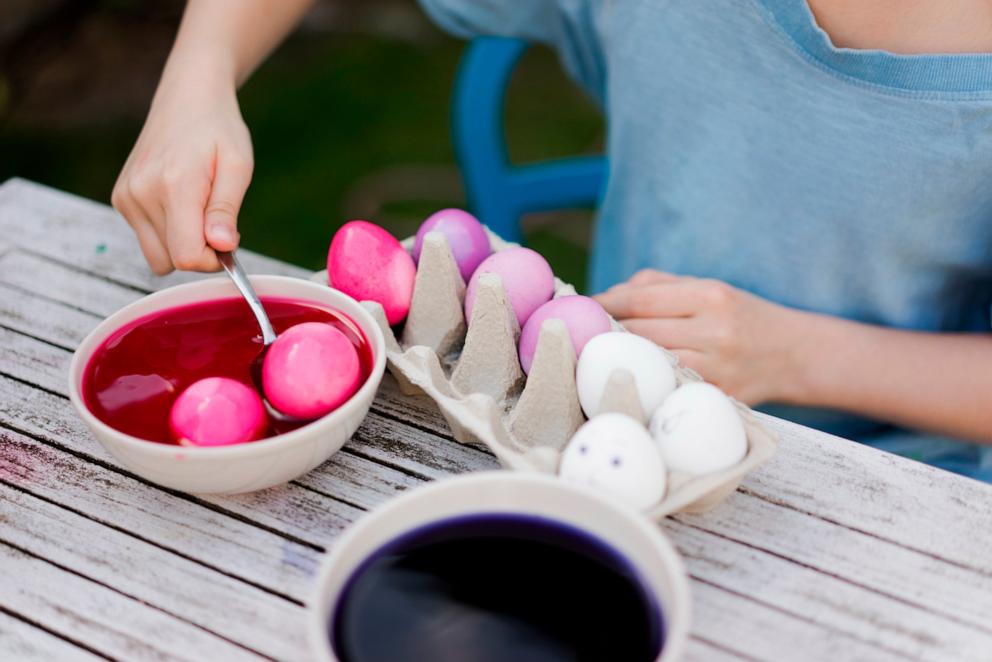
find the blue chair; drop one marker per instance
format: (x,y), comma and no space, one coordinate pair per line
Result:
(498,192)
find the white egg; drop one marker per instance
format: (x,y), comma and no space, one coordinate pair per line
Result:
(653,375)
(615,454)
(699,430)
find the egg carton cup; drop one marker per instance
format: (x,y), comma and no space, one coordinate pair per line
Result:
(472,371)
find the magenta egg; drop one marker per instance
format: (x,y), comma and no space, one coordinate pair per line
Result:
(217,411)
(526,276)
(310,370)
(583,317)
(466,237)
(368,264)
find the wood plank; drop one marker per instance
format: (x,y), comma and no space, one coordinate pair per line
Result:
(102,619)
(174,585)
(417,410)
(213,539)
(47,320)
(54,280)
(903,574)
(697,650)
(414,451)
(26,643)
(907,502)
(765,633)
(31,360)
(852,611)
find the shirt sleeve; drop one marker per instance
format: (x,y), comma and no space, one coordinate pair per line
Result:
(571,27)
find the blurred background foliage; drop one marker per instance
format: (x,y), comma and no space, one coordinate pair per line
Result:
(349,118)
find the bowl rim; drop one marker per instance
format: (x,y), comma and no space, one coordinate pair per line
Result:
(678,615)
(301,435)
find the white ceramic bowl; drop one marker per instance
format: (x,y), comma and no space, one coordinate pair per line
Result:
(241,467)
(631,534)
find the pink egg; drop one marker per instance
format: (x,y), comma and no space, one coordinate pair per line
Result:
(217,411)
(466,237)
(583,317)
(310,370)
(367,263)
(526,276)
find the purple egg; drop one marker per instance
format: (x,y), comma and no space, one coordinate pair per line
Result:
(527,280)
(466,237)
(583,317)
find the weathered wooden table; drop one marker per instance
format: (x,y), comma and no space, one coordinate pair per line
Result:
(832,551)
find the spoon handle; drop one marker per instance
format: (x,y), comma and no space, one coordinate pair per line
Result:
(240,278)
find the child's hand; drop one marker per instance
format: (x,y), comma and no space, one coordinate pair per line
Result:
(744,344)
(182,186)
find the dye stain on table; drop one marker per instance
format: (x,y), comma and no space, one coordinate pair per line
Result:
(496,587)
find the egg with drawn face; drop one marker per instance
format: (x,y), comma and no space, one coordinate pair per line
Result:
(699,430)
(614,454)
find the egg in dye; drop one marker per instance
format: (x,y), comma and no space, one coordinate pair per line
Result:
(217,411)
(310,370)
(583,317)
(527,280)
(369,264)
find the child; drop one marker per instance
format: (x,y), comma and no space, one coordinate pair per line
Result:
(800,195)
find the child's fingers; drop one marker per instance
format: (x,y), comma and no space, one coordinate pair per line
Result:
(231,179)
(670,333)
(184,210)
(151,244)
(152,248)
(675,299)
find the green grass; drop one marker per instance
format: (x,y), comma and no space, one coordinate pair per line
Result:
(342,126)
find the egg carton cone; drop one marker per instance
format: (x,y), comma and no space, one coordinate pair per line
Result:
(471,369)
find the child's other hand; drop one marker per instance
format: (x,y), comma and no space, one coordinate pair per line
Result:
(746,345)
(182,186)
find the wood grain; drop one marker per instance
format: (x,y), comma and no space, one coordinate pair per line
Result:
(24,642)
(185,590)
(103,619)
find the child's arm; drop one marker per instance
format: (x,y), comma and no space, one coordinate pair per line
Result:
(760,351)
(182,186)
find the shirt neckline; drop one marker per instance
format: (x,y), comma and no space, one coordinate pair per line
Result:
(939,72)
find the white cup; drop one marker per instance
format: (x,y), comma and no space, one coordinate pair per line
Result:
(636,538)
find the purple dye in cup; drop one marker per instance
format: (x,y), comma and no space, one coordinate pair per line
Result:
(494,587)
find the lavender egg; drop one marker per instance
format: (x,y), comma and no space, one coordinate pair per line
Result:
(466,237)
(583,317)
(527,280)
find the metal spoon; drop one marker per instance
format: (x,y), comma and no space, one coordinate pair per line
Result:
(233,268)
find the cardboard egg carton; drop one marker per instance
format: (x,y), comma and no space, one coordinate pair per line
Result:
(472,371)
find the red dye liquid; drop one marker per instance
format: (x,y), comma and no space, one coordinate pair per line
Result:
(132,380)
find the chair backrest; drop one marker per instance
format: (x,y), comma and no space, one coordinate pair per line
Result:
(499,193)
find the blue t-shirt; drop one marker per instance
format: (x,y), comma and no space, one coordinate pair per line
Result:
(744,146)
